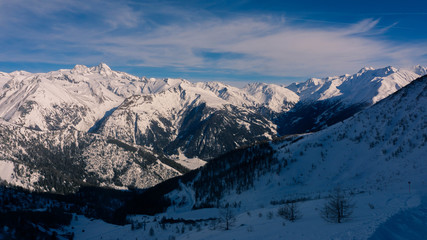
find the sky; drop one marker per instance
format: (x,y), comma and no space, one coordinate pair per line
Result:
(230,41)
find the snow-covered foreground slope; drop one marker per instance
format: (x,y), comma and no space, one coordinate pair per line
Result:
(264,223)
(371,156)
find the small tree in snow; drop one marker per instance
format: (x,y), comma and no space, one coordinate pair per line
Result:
(290,211)
(227,217)
(338,208)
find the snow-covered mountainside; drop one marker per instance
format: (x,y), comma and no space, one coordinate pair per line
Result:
(203,120)
(60,99)
(64,160)
(373,155)
(324,102)
(272,96)
(369,85)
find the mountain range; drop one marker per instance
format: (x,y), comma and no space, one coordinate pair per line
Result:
(72,119)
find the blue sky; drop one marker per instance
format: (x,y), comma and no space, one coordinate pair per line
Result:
(231,41)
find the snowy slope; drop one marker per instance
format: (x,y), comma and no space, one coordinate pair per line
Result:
(264,223)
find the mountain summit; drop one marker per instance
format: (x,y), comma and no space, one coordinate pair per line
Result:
(102,69)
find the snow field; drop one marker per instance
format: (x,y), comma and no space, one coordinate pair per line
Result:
(372,210)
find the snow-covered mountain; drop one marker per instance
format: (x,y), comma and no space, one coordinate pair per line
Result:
(201,120)
(273,97)
(57,100)
(80,96)
(84,98)
(369,85)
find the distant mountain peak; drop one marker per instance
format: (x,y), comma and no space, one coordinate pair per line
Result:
(418,69)
(391,69)
(315,81)
(20,73)
(365,69)
(80,69)
(102,68)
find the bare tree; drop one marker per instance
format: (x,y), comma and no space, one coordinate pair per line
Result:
(227,217)
(338,208)
(290,211)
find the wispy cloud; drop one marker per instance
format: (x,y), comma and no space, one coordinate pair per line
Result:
(156,35)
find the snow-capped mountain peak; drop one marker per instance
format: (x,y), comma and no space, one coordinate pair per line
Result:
(272,96)
(420,70)
(102,68)
(80,69)
(365,69)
